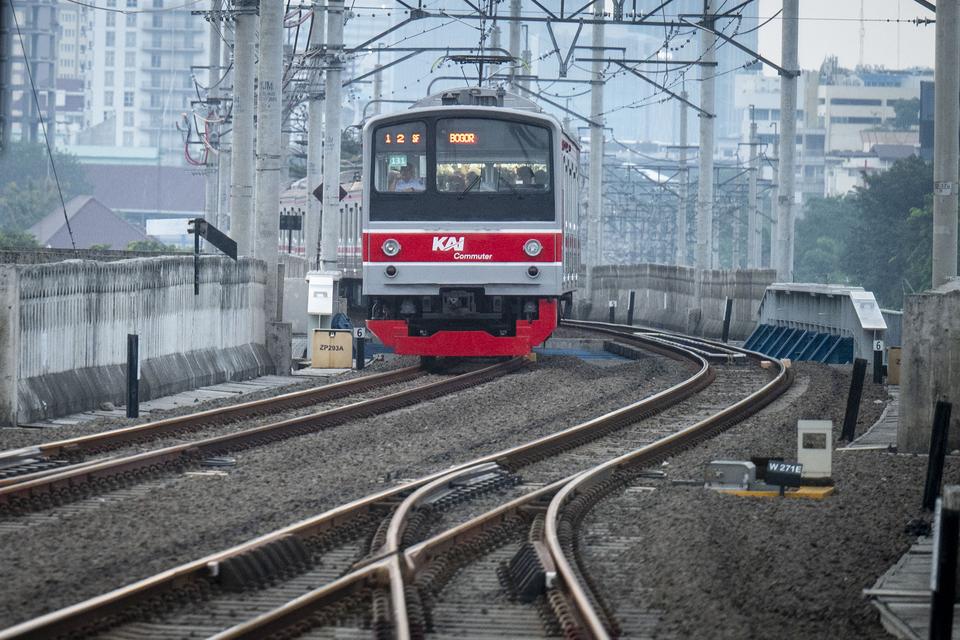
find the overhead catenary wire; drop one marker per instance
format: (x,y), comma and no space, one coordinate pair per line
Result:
(92,5)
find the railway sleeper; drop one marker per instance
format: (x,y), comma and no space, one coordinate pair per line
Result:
(262,565)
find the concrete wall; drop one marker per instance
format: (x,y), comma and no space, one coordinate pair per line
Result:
(42,256)
(74,316)
(665,297)
(930,366)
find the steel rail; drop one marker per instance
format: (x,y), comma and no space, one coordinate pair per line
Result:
(576,592)
(66,484)
(288,614)
(75,616)
(114,438)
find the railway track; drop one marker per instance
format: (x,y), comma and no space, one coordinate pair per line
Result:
(72,477)
(397,551)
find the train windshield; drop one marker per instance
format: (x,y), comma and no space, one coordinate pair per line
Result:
(400,165)
(479,155)
(467,169)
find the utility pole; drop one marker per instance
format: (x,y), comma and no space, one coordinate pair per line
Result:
(6,67)
(330,231)
(684,184)
(788,140)
(737,248)
(212,175)
(269,116)
(708,54)
(315,139)
(494,44)
(527,56)
(514,40)
(223,158)
(753,229)
(594,193)
(946,156)
(241,199)
(377,86)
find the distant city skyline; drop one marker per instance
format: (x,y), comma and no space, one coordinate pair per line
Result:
(832,27)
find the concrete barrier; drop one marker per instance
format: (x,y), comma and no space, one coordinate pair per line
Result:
(665,297)
(64,327)
(929,366)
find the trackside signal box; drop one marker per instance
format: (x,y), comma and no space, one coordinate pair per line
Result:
(332,349)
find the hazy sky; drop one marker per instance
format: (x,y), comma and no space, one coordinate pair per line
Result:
(832,27)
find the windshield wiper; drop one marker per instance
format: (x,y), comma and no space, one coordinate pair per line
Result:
(472,184)
(519,195)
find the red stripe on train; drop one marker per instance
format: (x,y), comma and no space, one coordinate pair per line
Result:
(463,247)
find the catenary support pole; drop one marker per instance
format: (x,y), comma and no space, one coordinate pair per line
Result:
(330,232)
(269,115)
(681,223)
(946,131)
(515,41)
(6,67)
(212,175)
(377,88)
(594,193)
(226,139)
(241,179)
(708,54)
(788,145)
(753,227)
(315,139)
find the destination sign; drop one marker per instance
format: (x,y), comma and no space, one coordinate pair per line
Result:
(409,136)
(462,137)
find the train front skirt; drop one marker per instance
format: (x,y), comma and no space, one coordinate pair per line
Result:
(529,334)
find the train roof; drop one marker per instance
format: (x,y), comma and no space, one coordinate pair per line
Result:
(477,97)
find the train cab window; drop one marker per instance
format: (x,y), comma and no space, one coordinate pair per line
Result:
(476,155)
(400,158)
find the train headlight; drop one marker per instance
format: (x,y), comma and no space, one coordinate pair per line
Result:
(532,247)
(390,272)
(391,247)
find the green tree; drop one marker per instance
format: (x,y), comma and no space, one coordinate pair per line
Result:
(907,113)
(821,239)
(28,190)
(17,240)
(149,245)
(887,243)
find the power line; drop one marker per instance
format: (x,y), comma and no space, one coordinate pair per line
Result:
(43,127)
(91,5)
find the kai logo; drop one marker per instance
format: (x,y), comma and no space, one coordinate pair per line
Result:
(447,243)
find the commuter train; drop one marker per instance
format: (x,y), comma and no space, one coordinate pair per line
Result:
(469,228)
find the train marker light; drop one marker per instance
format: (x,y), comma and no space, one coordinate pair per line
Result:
(391,247)
(533,272)
(532,247)
(391,271)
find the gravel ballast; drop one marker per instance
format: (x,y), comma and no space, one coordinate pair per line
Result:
(74,557)
(719,566)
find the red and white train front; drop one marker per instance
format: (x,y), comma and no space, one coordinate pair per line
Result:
(468,230)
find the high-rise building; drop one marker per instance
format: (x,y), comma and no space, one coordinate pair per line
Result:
(74,55)
(141,79)
(36,24)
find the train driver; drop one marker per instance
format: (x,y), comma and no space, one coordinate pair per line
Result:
(525,176)
(408,180)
